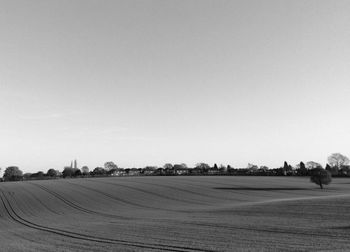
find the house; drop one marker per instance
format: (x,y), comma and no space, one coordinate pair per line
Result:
(149,170)
(159,172)
(118,172)
(181,171)
(133,172)
(213,171)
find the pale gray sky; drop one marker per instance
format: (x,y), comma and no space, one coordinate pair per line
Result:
(148,82)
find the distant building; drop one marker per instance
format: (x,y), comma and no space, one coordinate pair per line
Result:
(118,172)
(74,164)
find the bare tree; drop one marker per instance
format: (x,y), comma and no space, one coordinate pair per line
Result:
(311,165)
(338,160)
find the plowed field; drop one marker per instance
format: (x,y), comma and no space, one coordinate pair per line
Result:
(175,214)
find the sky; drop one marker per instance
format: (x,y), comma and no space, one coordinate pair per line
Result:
(151,82)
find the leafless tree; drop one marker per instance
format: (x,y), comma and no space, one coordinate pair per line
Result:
(338,160)
(312,164)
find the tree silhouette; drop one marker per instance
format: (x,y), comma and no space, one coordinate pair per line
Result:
(51,173)
(320,176)
(110,165)
(13,173)
(99,171)
(202,167)
(287,168)
(85,170)
(312,165)
(302,171)
(337,160)
(168,166)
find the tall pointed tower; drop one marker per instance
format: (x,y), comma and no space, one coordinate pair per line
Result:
(75,164)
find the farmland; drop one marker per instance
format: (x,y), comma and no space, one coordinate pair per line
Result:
(204,213)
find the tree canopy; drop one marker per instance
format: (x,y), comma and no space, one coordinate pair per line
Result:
(12,173)
(110,166)
(320,176)
(51,173)
(85,170)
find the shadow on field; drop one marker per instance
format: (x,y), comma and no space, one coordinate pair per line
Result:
(342,227)
(260,188)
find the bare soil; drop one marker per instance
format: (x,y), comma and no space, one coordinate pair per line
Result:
(205,213)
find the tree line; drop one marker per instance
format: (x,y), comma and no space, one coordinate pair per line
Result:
(338,165)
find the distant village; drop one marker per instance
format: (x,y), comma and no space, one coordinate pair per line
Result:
(338,165)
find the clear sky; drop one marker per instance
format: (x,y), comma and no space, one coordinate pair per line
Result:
(149,82)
